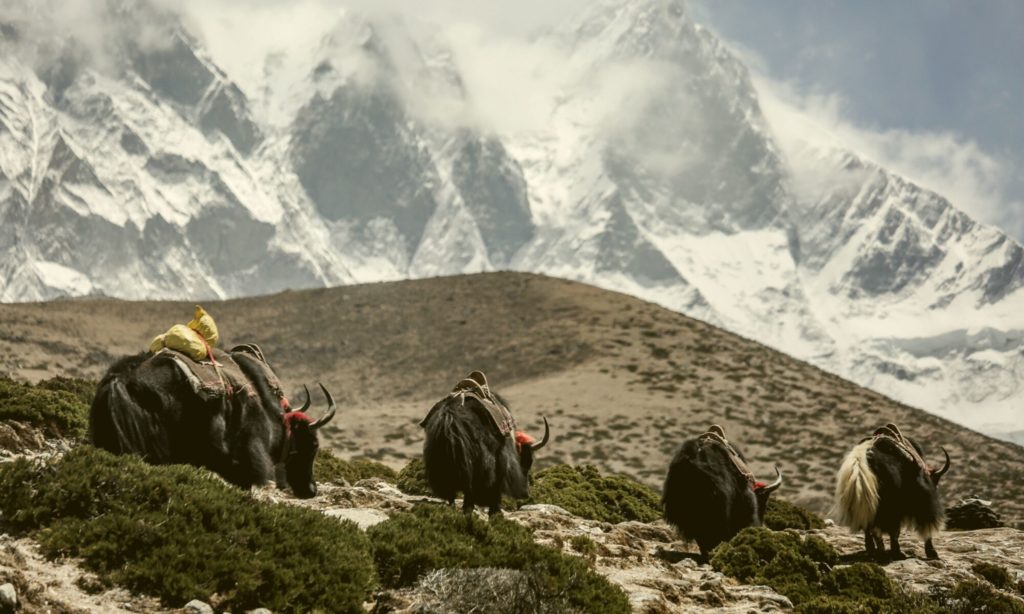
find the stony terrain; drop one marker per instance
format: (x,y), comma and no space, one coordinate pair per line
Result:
(622,381)
(658,572)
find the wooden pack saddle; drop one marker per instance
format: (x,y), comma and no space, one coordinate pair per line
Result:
(474,390)
(221,376)
(891,432)
(716,435)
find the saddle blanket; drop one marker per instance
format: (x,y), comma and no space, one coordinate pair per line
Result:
(221,377)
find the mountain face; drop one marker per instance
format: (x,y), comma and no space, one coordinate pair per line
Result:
(143,170)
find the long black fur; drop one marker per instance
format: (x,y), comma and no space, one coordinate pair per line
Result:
(908,496)
(145,406)
(464,452)
(706,498)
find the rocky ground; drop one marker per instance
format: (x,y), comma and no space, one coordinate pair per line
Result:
(658,572)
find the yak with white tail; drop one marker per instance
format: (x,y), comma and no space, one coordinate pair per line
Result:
(883,486)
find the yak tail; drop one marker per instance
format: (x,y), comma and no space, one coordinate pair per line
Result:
(118,424)
(447,459)
(856,501)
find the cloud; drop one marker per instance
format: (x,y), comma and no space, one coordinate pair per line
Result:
(807,123)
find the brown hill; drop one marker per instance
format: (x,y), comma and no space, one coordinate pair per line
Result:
(622,381)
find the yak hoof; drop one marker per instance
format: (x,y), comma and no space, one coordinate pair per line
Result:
(897,555)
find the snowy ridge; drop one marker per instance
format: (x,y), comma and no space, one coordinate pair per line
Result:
(360,157)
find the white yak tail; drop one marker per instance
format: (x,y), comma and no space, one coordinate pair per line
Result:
(856,490)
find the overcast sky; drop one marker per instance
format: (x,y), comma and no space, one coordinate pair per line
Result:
(937,69)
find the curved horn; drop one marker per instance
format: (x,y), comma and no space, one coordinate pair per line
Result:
(305,405)
(547,434)
(331,409)
(945,467)
(770,488)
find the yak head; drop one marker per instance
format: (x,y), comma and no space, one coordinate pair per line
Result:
(934,474)
(762,491)
(301,445)
(527,446)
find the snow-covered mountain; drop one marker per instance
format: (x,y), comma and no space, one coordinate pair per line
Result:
(142,169)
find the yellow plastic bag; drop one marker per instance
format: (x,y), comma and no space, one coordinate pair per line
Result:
(194,339)
(203,324)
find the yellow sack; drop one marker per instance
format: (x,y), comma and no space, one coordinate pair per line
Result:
(186,341)
(157,344)
(203,324)
(189,339)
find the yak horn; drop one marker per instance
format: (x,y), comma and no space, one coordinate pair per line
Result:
(331,409)
(305,405)
(945,467)
(770,488)
(544,440)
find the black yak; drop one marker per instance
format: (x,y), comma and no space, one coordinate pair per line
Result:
(884,485)
(710,495)
(237,422)
(472,447)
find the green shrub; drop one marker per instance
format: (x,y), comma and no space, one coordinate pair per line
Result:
(972,596)
(179,533)
(583,544)
(997,575)
(783,515)
(84,389)
(56,412)
(859,580)
(412,479)
(583,491)
(805,570)
(785,561)
(330,468)
(430,537)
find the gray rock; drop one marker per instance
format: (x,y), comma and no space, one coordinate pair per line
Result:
(544,508)
(198,607)
(259,611)
(8,598)
(365,518)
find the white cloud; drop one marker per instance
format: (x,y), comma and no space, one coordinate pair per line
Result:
(807,123)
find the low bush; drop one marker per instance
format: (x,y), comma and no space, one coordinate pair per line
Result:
(84,389)
(583,491)
(431,537)
(179,533)
(783,515)
(412,479)
(995,574)
(330,468)
(803,569)
(971,596)
(58,407)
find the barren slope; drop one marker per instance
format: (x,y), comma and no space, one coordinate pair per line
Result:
(622,381)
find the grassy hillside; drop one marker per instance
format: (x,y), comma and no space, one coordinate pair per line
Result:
(622,381)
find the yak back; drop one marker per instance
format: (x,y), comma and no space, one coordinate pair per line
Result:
(464,450)
(154,405)
(705,495)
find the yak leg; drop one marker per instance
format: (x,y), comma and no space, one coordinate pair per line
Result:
(895,553)
(874,545)
(929,549)
(494,506)
(467,504)
(870,545)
